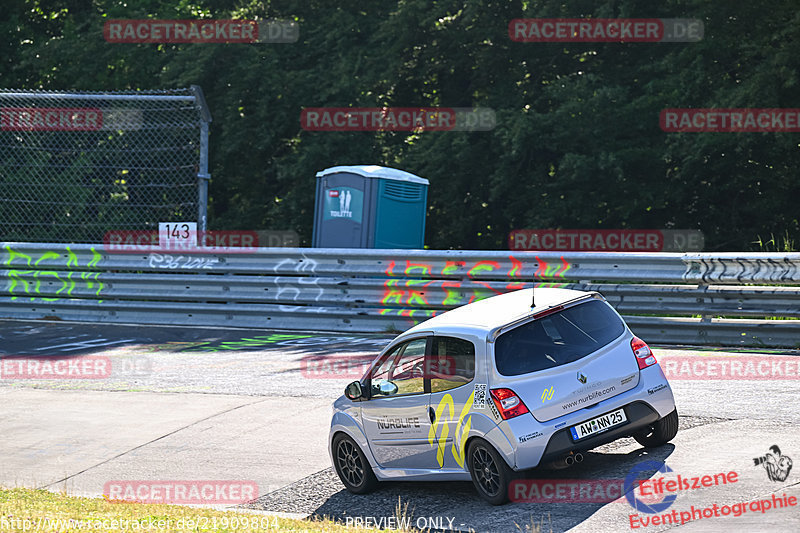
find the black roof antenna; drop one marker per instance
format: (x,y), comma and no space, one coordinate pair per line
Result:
(533,294)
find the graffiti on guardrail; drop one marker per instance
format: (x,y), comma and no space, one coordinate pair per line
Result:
(243,344)
(29,281)
(181,261)
(404,297)
(552,270)
(305,266)
(723,269)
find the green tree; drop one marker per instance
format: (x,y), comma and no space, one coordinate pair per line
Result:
(577,142)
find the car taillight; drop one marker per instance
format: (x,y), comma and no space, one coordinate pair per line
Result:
(644,357)
(548,311)
(508,403)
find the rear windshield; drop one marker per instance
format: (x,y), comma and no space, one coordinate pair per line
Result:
(557,339)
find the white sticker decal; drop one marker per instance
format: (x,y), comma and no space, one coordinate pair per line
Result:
(479,402)
(495,412)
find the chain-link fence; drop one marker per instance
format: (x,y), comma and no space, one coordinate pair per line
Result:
(76,165)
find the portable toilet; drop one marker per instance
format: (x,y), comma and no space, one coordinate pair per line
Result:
(367,206)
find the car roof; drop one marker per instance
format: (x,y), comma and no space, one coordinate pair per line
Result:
(482,316)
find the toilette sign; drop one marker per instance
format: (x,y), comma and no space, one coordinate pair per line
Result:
(344,203)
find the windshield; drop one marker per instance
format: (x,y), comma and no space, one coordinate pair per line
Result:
(557,339)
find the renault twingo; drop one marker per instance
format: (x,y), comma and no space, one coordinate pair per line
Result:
(499,386)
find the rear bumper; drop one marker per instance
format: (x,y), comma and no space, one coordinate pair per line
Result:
(639,415)
(538,442)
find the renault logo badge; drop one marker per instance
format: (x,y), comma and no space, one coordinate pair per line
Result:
(582,378)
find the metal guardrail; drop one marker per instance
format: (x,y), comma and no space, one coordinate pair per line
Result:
(733,299)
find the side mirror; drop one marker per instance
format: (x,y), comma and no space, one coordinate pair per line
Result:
(387,388)
(353,391)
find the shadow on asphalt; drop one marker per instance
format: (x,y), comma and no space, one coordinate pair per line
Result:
(43,338)
(442,503)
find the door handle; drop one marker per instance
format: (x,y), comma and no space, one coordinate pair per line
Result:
(431,414)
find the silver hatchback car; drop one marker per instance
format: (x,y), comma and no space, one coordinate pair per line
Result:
(499,386)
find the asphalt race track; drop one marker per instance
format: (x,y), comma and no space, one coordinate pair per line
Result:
(191,403)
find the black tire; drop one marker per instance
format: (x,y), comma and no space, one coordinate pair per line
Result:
(351,466)
(489,472)
(659,433)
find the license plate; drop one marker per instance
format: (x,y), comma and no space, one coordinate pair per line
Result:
(598,425)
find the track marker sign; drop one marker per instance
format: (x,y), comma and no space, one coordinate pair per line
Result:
(177,235)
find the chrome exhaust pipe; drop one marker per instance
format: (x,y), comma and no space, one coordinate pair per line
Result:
(569,460)
(579,457)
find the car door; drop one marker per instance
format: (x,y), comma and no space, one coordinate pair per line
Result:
(451,371)
(396,420)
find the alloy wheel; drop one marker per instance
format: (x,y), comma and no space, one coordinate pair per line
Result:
(486,471)
(350,463)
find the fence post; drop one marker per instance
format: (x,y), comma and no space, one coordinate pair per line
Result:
(203,176)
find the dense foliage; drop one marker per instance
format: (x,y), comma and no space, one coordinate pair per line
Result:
(577,142)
